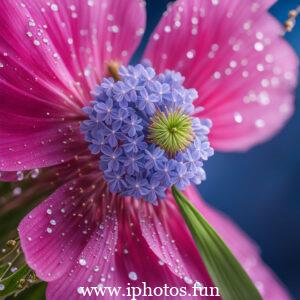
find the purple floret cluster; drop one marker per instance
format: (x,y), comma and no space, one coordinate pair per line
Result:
(117,130)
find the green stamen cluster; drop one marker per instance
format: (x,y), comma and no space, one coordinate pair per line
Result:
(171,131)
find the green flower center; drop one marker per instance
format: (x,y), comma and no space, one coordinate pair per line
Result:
(171,131)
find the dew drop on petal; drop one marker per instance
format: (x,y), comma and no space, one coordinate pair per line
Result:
(258,46)
(49,230)
(17,191)
(132,276)
(160,262)
(238,117)
(260,123)
(187,280)
(54,7)
(53,222)
(82,261)
(190,54)
(20,175)
(167,29)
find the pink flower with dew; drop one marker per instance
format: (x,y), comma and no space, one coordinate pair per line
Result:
(52,55)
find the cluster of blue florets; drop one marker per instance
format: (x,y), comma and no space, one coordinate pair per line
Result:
(117,130)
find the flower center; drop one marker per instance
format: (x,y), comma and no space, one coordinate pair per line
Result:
(171,131)
(141,125)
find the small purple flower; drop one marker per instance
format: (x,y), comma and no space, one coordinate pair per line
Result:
(137,187)
(191,157)
(120,91)
(132,125)
(146,102)
(97,142)
(112,133)
(156,190)
(115,180)
(166,172)
(146,72)
(120,114)
(159,89)
(111,158)
(155,156)
(184,175)
(133,163)
(107,86)
(104,110)
(134,144)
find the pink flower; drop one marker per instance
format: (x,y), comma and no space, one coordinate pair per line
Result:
(52,56)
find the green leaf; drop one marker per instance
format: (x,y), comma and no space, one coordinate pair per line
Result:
(35,292)
(11,283)
(3,269)
(223,268)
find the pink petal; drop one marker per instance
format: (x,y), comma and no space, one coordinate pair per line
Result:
(51,57)
(58,52)
(97,258)
(115,255)
(8,176)
(169,239)
(54,233)
(232,53)
(114,241)
(28,143)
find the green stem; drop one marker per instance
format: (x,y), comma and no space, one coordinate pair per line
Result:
(224,269)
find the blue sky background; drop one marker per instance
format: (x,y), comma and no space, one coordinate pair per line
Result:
(260,189)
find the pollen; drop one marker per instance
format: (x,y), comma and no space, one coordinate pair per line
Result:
(171,131)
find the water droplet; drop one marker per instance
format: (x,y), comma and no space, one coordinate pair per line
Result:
(49,230)
(115,29)
(167,28)
(20,175)
(156,36)
(2,287)
(190,54)
(17,191)
(132,276)
(54,7)
(160,262)
(53,222)
(90,3)
(260,123)
(187,280)
(35,173)
(49,211)
(238,117)
(82,261)
(258,46)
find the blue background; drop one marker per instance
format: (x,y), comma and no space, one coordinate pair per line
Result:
(259,189)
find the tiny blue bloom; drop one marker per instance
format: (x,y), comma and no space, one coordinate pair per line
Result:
(117,129)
